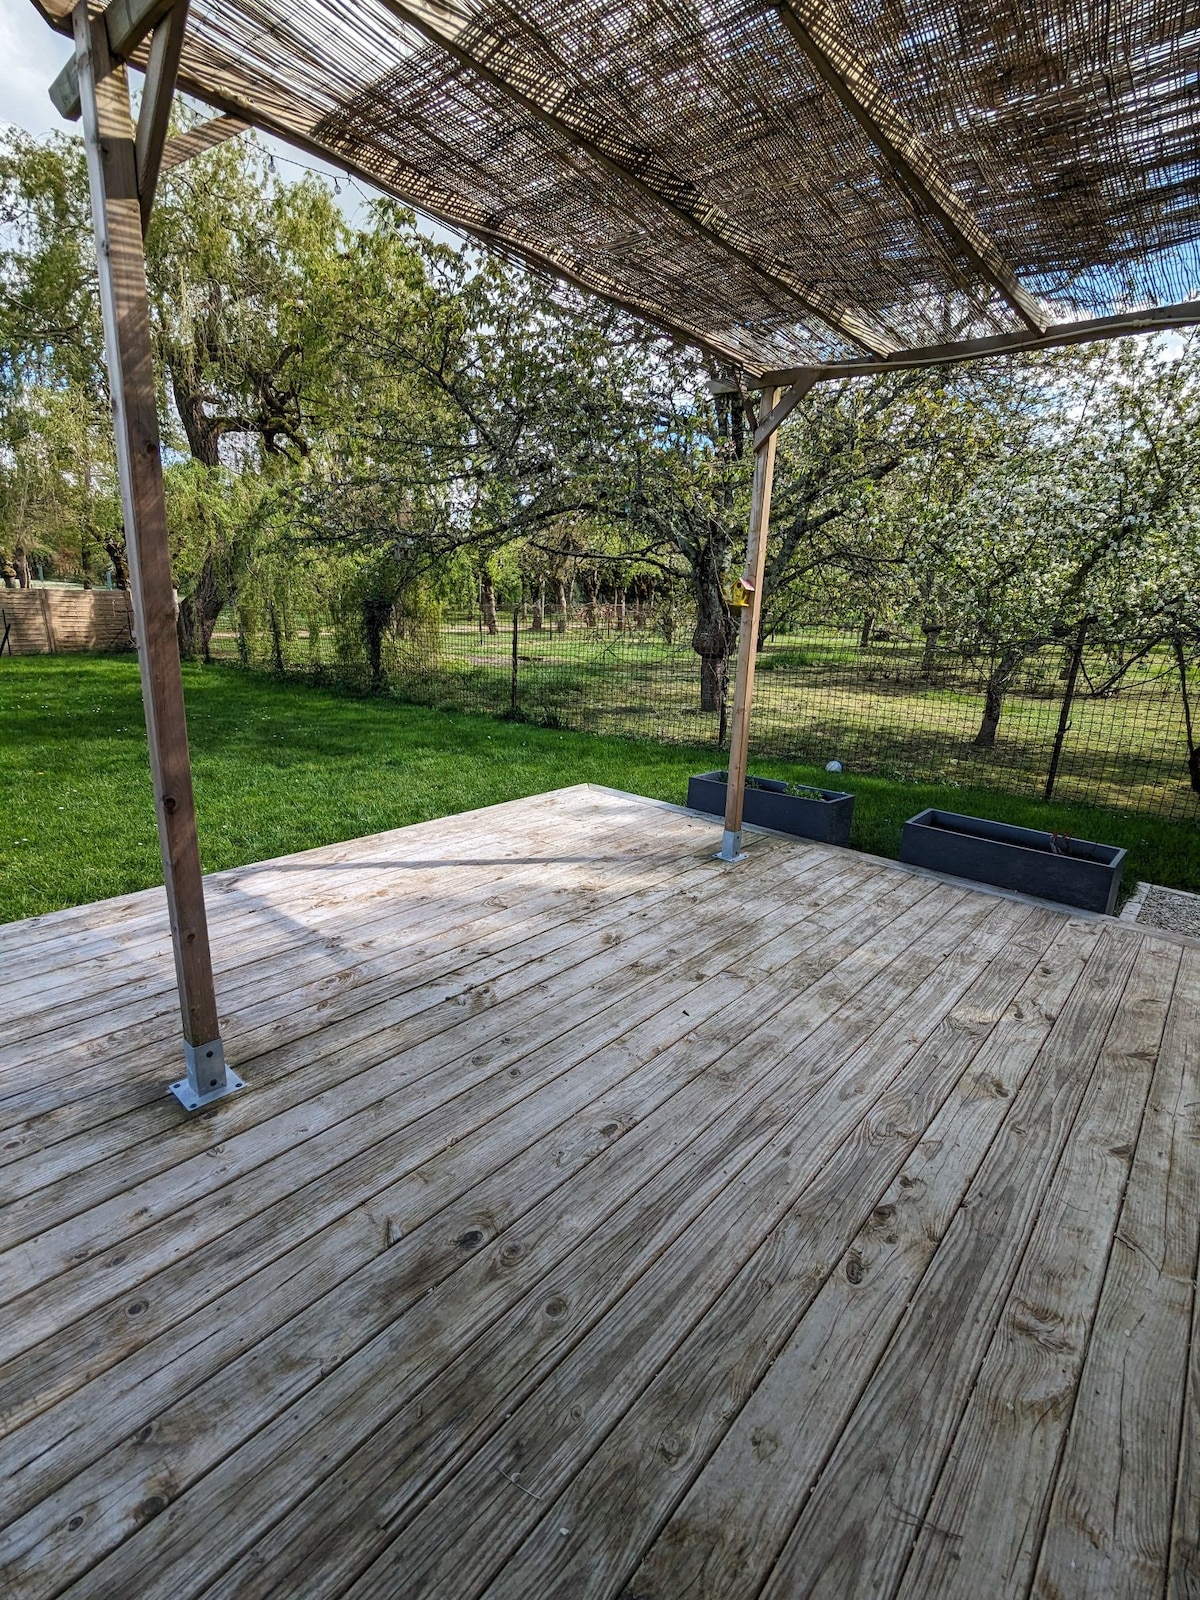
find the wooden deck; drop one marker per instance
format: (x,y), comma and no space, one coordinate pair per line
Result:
(601,1221)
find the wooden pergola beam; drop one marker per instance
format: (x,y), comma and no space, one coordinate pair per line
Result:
(1155,319)
(714,227)
(121,268)
(205,136)
(126,23)
(851,80)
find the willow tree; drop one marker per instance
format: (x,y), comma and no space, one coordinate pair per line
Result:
(242,265)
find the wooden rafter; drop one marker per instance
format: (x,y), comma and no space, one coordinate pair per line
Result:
(714,226)
(205,136)
(851,80)
(1156,319)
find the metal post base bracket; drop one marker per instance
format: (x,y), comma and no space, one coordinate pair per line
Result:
(208,1078)
(731,847)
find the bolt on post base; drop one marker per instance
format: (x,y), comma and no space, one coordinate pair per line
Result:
(731,847)
(208,1078)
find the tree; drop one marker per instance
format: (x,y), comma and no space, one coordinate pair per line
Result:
(1091,519)
(489,411)
(242,268)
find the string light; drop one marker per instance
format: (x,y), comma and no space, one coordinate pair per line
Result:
(339,179)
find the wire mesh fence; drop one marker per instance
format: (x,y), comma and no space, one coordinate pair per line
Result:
(1098,721)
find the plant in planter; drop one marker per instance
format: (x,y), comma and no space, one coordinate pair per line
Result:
(1050,865)
(796,808)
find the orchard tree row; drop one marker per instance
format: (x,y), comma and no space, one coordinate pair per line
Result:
(361,418)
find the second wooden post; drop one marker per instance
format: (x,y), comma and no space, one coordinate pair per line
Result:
(743,693)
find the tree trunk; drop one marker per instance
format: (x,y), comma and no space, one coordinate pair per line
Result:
(714,679)
(993,697)
(116,554)
(539,609)
(620,610)
(198,613)
(376,615)
(713,634)
(932,635)
(487,604)
(21,565)
(868,626)
(276,639)
(202,433)
(561,617)
(1193,748)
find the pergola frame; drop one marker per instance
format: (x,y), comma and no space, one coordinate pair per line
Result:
(124,165)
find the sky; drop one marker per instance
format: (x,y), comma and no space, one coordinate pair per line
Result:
(33,54)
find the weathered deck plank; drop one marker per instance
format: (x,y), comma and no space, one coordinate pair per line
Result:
(1110,1524)
(576,1192)
(727,1532)
(1008,1444)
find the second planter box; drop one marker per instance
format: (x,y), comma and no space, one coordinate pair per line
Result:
(1075,872)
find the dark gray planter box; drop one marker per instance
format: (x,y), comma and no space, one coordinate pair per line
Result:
(771,806)
(1078,874)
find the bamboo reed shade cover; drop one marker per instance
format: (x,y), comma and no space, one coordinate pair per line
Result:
(785,181)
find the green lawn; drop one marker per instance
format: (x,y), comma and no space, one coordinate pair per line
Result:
(281,766)
(819,694)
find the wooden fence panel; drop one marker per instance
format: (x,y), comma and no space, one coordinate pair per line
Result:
(62,621)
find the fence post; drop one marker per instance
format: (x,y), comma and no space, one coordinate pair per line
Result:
(512,706)
(1064,716)
(1192,748)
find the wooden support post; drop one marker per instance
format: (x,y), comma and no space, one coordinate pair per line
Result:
(117,215)
(756,561)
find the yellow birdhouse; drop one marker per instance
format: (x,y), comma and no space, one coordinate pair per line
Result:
(740,594)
